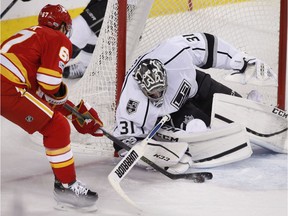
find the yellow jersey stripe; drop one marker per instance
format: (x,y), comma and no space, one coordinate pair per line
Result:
(63,164)
(14,68)
(10,76)
(48,87)
(49,72)
(58,151)
(37,102)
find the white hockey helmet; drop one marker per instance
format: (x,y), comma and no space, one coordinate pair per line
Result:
(152,80)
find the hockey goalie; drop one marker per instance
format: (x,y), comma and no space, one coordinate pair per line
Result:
(211,125)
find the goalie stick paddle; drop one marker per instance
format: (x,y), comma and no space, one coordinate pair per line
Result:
(129,161)
(197,177)
(134,155)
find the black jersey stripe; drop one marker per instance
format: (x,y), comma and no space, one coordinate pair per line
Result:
(210,39)
(145,116)
(89,48)
(176,55)
(225,53)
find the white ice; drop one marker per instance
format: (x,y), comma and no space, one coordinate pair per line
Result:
(254,187)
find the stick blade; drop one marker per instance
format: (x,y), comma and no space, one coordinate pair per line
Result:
(115,183)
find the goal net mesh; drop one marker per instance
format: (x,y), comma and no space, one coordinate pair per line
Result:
(250,25)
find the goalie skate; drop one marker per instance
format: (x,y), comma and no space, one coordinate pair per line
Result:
(74,71)
(74,197)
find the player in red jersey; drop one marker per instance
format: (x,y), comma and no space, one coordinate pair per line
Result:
(33,94)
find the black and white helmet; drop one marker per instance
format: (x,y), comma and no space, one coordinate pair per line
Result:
(152,79)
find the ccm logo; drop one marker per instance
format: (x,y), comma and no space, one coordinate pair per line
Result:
(168,138)
(280,113)
(161,157)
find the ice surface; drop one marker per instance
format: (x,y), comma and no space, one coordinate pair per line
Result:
(254,187)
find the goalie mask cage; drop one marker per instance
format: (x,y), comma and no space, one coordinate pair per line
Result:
(131,28)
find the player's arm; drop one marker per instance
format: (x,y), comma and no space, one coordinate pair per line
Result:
(56,50)
(92,121)
(228,57)
(56,53)
(209,51)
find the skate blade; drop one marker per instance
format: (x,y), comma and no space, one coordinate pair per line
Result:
(67,207)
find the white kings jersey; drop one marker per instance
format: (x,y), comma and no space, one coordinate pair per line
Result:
(180,55)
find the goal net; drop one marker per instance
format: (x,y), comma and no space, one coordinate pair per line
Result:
(252,26)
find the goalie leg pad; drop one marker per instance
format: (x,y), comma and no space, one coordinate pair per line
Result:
(166,154)
(213,147)
(266,125)
(184,164)
(232,147)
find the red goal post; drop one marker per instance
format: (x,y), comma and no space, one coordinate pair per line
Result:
(131,27)
(282,69)
(282,58)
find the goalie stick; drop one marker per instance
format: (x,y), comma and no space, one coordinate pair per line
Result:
(197,177)
(130,160)
(135,154)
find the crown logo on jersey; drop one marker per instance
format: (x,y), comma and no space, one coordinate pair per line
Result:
(132,106)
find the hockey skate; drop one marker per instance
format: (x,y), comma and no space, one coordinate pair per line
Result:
(74,71)
(75,196)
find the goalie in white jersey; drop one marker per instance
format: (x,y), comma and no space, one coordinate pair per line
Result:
(167,80)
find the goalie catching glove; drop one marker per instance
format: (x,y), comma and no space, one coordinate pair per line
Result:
(251,70)
(240,62)
(92,122)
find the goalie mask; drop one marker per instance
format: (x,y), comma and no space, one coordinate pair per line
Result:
(152,80)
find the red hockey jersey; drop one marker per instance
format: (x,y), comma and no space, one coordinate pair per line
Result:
(35,57)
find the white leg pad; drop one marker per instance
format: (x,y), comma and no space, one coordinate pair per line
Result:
(183,165)
(213,147)
(221,150)
(266,125)
(164,154)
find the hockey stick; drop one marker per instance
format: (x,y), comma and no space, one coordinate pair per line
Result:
(129,161)
(8,8)
(197,177)
(135,154)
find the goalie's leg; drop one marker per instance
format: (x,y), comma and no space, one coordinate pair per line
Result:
(207,87)
(266,125)
(213,147)
(200,106)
